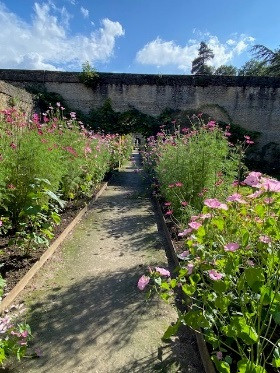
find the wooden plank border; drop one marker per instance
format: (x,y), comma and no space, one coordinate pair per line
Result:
(11,296)
(202,347)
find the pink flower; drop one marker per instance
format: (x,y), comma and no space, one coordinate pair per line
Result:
(253,179)
(214,275)
(13,145)
(250,263)
(163,271)
(227,134)
(169,212)
(256,194)
(219,355)
(184,203)
(88,149)
(143,282)
(236,197)
(232,246)
(171,186)
(264,239)
(268,201)
(194,225)
(185,253)
(270,185)
(11,186)
(190,268)
(215,204)
(178,184)
(211,124)
(185,232)
(167,204)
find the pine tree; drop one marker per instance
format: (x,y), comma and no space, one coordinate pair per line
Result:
(199,64)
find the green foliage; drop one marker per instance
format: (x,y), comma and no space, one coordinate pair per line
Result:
(226,70)
(253,68)
(269,58)
(199,64)
(233,272)
(89,76)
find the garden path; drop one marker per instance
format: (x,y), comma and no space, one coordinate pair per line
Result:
(86,311)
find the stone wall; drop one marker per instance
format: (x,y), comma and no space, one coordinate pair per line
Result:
(15,96)
(251,102)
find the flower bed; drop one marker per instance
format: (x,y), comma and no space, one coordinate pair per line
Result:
(229,276)
(46,165)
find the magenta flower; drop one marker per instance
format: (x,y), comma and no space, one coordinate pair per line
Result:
(143,282)
(215,204)
(1,223)
(219,355)
(163,271)
(256,194)
(185,253)
(13,145)
(195,225)
(167,204)
(214,275)
(232,246)
(236,197)
(264,239)
(184,203)
(169,212)
(270,185)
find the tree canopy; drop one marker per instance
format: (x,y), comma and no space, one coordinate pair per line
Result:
(199,63)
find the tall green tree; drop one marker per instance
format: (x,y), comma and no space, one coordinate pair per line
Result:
(226,70)
(199,65)
(270,58)
(253,68)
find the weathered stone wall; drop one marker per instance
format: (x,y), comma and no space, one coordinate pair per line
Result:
(15,96)
(251,102)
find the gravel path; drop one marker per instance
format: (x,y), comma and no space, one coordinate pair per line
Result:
(86,311)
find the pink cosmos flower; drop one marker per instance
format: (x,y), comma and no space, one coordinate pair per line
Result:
(169,212)
(178,184)
(143,282)
(215,204)
(253,179)
(211,124)
(227,134)
(167,204)
(264,239)
(184,203)
(163,271)
(195,217)
(236,197)
(214,275)
(194,225)
(256,194)
(185,232)
(232,246)
(270,185)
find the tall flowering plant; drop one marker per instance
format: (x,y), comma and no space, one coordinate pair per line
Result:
(229,277)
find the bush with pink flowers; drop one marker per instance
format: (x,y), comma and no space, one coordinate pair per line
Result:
(45,162)
(229,277)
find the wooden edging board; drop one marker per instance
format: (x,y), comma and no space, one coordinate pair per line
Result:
(9,299)
(202,347)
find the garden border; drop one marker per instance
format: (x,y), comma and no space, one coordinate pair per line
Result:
(17,289)
(202,347)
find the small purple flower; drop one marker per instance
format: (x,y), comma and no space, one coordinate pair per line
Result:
(143,282)
(219,355)
(231,246)
(264,239)
(163,271)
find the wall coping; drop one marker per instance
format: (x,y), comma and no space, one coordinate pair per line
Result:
(44,76)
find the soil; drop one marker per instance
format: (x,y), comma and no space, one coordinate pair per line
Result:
(15,265)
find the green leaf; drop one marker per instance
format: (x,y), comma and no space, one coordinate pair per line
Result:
(171,330)
(219,223)
(2,354)
(56,218)
(245,238)
(196,320)
(254,277)
(246,366)
(165,285)
(219,286)
(276,357)
(239,328)
(53,196)
(221,366)
(173,283)
(194,278)
(189,289)
(260,210)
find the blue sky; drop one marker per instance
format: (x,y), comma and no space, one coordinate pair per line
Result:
(134,36)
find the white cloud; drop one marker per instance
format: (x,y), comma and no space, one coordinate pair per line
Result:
(85,12)
(46,43)
(162,53)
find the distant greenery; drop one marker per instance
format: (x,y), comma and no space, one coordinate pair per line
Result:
(199,65)
(89,75)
